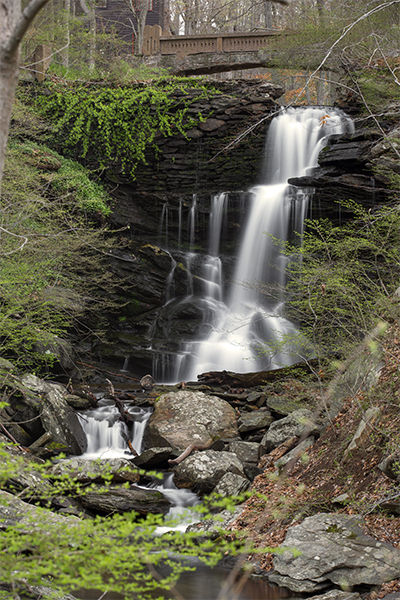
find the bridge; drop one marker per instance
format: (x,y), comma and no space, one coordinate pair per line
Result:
(208,53)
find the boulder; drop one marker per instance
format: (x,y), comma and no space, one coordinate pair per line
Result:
(298,423)
(91,471)
(247,452)
(153,457)
(212,527)
(284,405)
(297,452)
(231,485)
(24,475)
(202,471)
(13,511)
(328,549)
(390,466)
(183,418)
(57,416)
(114,499)
(255,420)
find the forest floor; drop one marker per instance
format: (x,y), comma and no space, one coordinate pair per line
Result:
(314,483)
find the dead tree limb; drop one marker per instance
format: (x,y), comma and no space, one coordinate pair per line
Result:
(124,416)
(188,451)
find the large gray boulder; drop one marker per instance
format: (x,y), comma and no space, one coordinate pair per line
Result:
(96,471)
(298,423)
(23,470)
(115,499)
(328,549)
(183,418)
(231,485)
(247,452)
(57,416)
(203,470)
(257,419)
(13,511)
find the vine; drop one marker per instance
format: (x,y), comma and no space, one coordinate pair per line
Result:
(117,125)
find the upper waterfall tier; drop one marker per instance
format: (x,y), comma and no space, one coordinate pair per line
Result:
(243,326)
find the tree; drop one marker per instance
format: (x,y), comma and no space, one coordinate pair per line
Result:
(13,26)
(139,10)
(210,16)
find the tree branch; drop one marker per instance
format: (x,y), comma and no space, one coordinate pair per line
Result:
(21,27)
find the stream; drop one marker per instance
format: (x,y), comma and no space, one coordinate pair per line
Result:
(241,323)
(103,430)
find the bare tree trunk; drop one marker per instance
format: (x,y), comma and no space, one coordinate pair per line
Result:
(13,26)
(268,14)
(141,22)
(321,88)
(66,7)
(166,16)
(89,10)
(92,46)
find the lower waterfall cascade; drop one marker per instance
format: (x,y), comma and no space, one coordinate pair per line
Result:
(243,328)
(106,438)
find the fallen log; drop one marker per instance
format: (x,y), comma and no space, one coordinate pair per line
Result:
(268,459)
(253,379)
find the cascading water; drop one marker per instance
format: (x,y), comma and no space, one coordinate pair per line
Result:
(246,329)
(106,434)
(106,438)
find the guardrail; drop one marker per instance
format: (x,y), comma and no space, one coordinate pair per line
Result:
(154,43)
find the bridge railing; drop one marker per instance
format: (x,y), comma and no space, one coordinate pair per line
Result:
(155,43)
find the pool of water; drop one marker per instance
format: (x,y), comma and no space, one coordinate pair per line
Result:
(209,584)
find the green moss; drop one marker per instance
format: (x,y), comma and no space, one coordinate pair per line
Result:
(115,125)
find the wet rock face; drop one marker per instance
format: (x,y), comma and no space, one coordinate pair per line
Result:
(182,161)
(350,166)
(183,418)
(328,549)
(56,416)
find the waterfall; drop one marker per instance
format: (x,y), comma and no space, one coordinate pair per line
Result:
(248,331)
(105,432)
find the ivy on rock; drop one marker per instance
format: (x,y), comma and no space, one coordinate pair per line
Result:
(116,125)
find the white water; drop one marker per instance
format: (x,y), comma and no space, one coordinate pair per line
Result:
(105,432)
(105,435)
(248,331)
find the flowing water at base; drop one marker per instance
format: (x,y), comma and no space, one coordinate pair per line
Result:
(210,584)
(105,435)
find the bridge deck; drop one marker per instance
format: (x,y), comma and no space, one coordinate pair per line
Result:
(154,43)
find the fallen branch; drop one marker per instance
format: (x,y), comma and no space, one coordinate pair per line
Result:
(124,416)
(12,438)
(105,371)
(188,451)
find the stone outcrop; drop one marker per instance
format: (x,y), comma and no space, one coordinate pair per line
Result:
(13,511)
(114,499)
(183,418)
(183,161)
(57,416)
(204,470)
(350,166)
(328,549)
(81,470)
(299,423)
